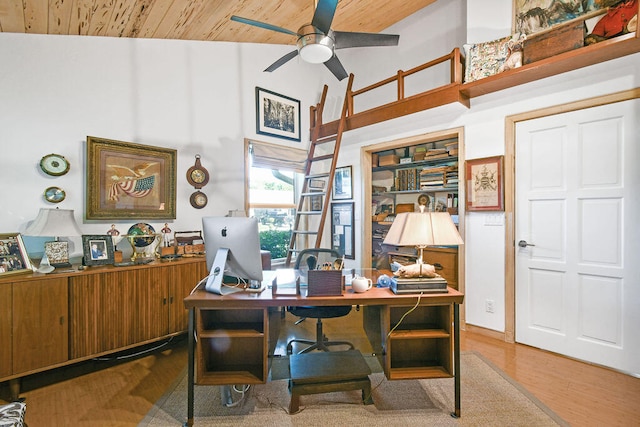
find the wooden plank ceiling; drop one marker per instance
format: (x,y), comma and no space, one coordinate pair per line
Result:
(194,19)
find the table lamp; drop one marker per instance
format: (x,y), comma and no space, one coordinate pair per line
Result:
(54,223)
(422,229)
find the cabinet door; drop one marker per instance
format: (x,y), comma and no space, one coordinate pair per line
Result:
(184,278)
(5,329)
(116,309)
(40,324)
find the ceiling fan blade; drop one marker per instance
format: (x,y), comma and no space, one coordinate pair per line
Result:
(335,66)
(344,39)
(289,56)
(262,25)
(323,16)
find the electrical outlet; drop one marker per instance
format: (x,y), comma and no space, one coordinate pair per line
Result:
(489,306)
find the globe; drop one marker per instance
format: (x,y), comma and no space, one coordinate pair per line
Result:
(146,233)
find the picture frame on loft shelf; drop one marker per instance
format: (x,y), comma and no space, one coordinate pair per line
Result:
(534,16)
(485,184)
(277,115)
(127,180)
(13,255)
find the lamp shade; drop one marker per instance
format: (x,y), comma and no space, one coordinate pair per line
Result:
(54,223)
(423,229)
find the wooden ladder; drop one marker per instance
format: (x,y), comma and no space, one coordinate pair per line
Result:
(318,180)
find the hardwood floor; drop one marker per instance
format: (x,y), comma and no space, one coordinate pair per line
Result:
(121,392)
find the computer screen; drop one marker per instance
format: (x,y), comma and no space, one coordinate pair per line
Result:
(232,246)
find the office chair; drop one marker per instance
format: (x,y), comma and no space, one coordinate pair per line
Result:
(308,259)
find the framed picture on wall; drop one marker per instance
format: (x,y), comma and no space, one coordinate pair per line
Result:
(13,255)
(485,185)
(129,181)
(277,115)
(342,229)
(342,184)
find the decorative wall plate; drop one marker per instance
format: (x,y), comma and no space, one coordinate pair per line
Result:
(54,164)
(198,200)
(54,194)
(197,175)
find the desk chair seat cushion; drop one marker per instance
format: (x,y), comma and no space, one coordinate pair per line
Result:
(320,312)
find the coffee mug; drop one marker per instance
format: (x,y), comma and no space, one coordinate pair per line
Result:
(361,284)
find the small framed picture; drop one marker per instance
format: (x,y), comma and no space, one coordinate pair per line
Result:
(485,184)
(342,186)
(13,255)
(316,203)
(98,250)
(342,229)
(277,115)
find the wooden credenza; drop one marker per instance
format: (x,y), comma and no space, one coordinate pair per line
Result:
(47,321)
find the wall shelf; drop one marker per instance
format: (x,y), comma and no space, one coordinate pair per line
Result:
(568,61)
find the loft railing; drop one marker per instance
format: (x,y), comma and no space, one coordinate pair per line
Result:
(403,105)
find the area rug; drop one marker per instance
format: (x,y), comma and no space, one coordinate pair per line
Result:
(488,398)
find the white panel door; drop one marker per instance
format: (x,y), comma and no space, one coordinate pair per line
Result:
(578,235)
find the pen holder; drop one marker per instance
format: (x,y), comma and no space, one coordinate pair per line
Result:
(322,283)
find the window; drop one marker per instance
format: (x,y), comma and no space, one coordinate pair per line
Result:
(274,177)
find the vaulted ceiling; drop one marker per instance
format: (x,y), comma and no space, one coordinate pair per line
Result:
(194,19)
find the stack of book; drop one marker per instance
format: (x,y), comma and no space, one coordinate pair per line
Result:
(451,177)
(436,153)
(419,284)
(432,177)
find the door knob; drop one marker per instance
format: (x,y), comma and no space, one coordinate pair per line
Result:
(524,244)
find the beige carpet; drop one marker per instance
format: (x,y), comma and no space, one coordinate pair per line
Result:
(489,398)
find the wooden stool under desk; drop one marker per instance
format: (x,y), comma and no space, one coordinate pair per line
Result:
(324,372)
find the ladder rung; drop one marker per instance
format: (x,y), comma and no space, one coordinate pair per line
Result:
(314,193)
(326,139)
(308,212)
(318,175)
(325,157)
(303,232)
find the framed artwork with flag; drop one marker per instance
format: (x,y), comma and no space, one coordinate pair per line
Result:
(126,180)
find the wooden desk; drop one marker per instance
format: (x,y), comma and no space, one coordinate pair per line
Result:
(422,346)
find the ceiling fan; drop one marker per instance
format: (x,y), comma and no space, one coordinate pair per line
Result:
(317,41)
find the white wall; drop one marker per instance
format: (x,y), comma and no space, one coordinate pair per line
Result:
(199,98)
(196,97)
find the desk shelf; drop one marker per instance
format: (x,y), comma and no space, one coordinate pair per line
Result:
(232,346)
(421,346)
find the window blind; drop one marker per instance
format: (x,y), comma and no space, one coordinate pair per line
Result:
(272,156)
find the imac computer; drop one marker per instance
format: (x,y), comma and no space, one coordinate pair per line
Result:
(232,246)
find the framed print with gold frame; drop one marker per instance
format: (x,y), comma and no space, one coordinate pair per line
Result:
(485,186)
(129,181)
(13,255)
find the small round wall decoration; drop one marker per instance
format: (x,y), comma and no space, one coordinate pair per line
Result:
(54,164)
(197,175)
(54,194)
(198,200)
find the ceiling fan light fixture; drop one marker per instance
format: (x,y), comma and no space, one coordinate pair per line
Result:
(314,46)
